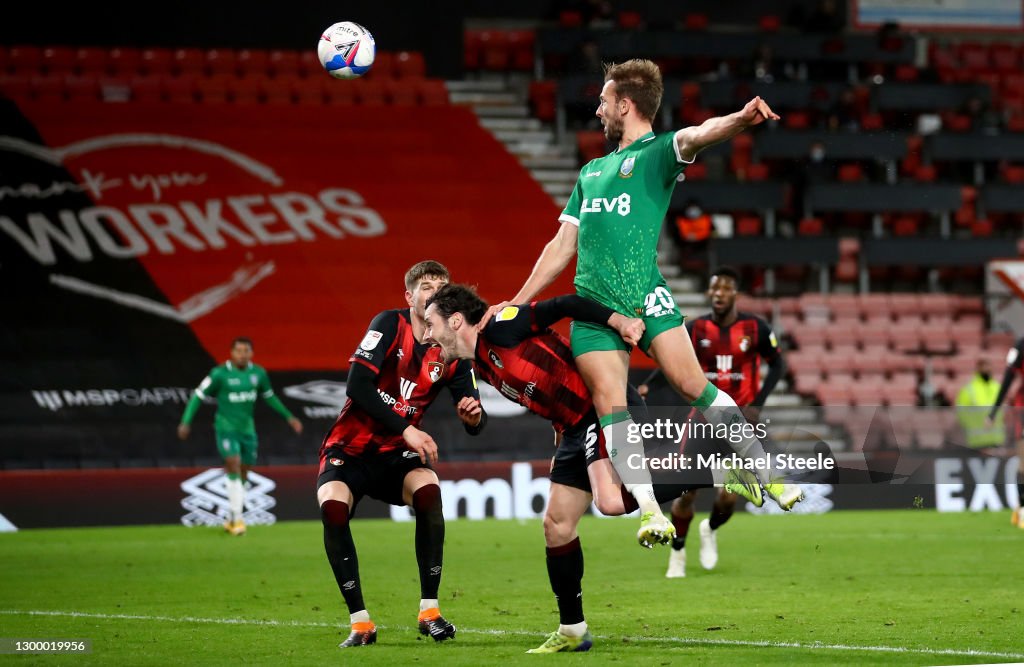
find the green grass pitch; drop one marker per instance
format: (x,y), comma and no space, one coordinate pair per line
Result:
(895,587)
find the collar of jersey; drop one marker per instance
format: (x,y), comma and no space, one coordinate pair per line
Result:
(637,140)
(232,367)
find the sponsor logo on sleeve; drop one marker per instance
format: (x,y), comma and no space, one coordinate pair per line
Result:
(508,313)
(370,340)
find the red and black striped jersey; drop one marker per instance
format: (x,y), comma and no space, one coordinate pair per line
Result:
(409,376)
(730,356)
(533,365)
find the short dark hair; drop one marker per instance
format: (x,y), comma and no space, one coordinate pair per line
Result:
(727,272)
(243,339)
(426,269)
(455,298)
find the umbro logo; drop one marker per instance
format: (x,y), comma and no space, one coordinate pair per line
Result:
(591,173)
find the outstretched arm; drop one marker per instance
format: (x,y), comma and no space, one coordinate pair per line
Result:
(553,259)
(694,139)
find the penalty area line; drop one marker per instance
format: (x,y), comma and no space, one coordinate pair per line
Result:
(687,641)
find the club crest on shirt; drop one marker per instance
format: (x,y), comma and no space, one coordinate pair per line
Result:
(626,170)
(495,359)
(253,379)
(704,342)
(744,343)
(435,369)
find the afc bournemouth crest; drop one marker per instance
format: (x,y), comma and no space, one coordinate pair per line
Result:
(744,343)
(626,170)
(435,370)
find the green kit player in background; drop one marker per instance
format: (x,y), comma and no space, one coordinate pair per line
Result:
(235,385)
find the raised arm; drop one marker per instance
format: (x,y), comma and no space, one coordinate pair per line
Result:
(694,139)
(553,259)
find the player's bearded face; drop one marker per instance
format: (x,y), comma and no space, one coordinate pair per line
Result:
(439,333)
(608,112)
(722,293)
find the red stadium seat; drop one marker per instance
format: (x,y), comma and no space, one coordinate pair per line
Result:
(432,92)
(224,62)
(905,73)
(698,171)
(758,171)
(275,91)
(544,99)
(58,60)
(906,225)
(15,87)
(189,62)
(212,90)
(124,62)
(253,61)
(401,93)
(769,23)
(309,63)
(26,60)
(494,52)
(383,65)
(592,144)
(284,63)
(92,60)
(1013,174)
(1004,57)
(48,87)
(872,122)
(850,173)
(180,89)
(695,22)
(926,173)
(810,227)
(370,92)
(630,20)
(410,64)
(157,61)
(796,120)
(146,88)
(956,122)
(309,91)
(748,225)
(973,56)
(521,49)
(570,19)
(83,88)
(472,45)
(242,90)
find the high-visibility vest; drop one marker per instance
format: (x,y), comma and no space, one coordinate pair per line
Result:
(974,402)
(694,229)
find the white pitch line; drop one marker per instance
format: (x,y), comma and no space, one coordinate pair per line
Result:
(690,641)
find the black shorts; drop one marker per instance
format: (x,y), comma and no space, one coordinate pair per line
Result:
(379,475)
(581,445)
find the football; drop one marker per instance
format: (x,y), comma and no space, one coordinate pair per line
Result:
(346,50)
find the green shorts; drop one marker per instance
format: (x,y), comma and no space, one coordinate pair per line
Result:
(659,313)
(243,445)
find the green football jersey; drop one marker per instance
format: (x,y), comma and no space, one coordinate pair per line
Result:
(236,390)
(619,203)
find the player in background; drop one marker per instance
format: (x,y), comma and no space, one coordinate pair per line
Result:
(375,448)
(235,385)
(532,365)
(730,346)
(611,224)
(1014,370)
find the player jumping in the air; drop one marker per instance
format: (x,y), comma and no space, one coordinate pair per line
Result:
(376,449)
(612,223)
(730,346)
(1015,370)
(517,353)
(235,385)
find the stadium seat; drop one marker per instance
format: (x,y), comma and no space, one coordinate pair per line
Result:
(275,90)
(544,99)
(242,90)
(850,173)
(757,172)
(92,61)
(410,64)
(308,91)
(124,61)
(156,61)
(630,20)
(570,19)
(698,171)
(189,62)
(769,23)
(810,227)
(521,45)
(432,92)
(383,65)
(748,225)
(401,93)
(973,56)
(284,63)
(180,89)
(253,61)
(58,60)
(309,64)
(81,88)
(834,394)
(494,52)
(695,22)
(146,89)
(591,144)
(26,60)
(212,90)
(224,62)
(47,87)
(472,45)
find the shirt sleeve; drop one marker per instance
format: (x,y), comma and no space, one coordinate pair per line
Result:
(767,343)
(210,384)
(512,326)
(377,342)
(1015,357)
(577,307)
(464,385)
(571,212)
